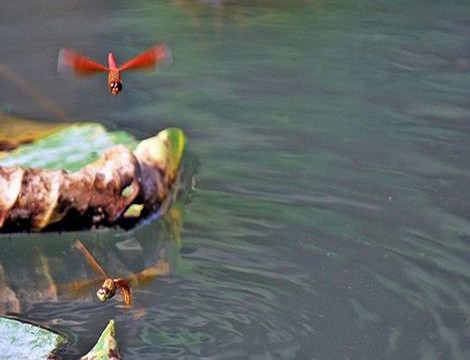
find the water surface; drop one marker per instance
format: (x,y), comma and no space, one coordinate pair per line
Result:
(329,215)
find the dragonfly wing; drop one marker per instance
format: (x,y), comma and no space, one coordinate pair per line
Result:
(78,288)
(91,260)
(150,59)
(125,292)
(71,62)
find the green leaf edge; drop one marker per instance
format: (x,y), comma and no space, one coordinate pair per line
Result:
(45,340)
(106,342)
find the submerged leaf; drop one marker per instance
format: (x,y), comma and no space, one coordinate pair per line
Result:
(16,131)
(106,348)
(19,340)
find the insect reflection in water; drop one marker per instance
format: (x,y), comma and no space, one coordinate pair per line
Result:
(110,285)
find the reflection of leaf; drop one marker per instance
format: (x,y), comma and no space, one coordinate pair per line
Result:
(19,340)
(106,347)
(16,131)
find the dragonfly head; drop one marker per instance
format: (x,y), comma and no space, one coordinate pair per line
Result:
(115,87)
(106,291)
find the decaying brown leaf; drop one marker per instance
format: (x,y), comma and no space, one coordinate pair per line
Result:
(98,194)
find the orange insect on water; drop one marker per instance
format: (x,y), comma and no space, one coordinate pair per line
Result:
(71,61)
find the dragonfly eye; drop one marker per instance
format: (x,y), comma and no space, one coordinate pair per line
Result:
(115,87)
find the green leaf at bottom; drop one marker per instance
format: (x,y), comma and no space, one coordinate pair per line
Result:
(20,340)
(106,347)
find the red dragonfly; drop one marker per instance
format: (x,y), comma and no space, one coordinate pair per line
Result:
(70,60)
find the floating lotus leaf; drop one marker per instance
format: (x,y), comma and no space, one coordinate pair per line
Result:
(68,148)
(37,189)
(20,340)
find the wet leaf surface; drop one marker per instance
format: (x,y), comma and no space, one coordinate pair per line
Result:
(20,340)
(68,148)
(106,346)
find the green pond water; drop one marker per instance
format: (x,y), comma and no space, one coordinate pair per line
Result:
(326,213)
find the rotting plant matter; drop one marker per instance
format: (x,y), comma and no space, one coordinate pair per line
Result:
(100,193)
